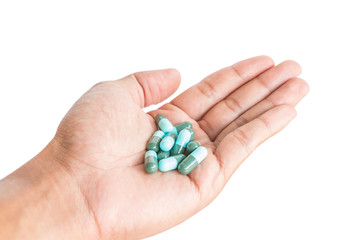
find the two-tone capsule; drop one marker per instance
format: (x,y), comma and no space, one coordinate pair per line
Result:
(183,125)
(191,146)
(155,140)
(174,131)
(164,123)
(151,161)
(170,163)
(185,136)
(192,160)
(177,129)
(167,142)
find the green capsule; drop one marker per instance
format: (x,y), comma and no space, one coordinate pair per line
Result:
(183,125)
(185,136)
(164,123)
(161,154)
(154,142)
(191,146)
(174,131)
(151,162)
(168,142)
(170,163)
(192,160)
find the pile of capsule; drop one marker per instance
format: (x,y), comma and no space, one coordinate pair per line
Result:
(167,147)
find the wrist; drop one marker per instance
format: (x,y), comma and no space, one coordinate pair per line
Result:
(41,200)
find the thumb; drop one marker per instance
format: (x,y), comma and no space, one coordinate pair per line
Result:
(151,87)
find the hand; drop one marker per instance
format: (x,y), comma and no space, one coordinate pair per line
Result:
(103,137)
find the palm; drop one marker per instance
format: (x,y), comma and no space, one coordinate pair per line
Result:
(106,132)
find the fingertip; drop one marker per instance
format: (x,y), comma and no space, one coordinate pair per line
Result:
(302,85)
(174,75)
(306,86)
(158,84)
(294,87)
(172,72)
(295,113)
(267,59)
(293,65)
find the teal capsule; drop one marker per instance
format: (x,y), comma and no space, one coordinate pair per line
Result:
(191,146)
(167,142)
(170,163)
(192,160)
(183,125)
(164,123)
(174,131)
(151,162)
(161,155)
(154,141)
(182,140)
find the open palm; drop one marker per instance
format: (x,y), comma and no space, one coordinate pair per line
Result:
(105,133)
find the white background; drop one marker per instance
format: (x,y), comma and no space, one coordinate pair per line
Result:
(301,184)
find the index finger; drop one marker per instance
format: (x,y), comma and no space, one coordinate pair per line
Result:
(198,99)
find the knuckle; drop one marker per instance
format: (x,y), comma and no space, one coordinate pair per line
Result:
(233,104)
(101,84)
(240,121)
(206,89)
(243,139)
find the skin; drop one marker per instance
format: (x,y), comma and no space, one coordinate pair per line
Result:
(90,182)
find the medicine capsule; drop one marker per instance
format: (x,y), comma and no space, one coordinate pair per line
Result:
(161,154)
(164,123)
(182,140)
(191,146)
(167,142)
(170,163)
(174,131)
(192,160)
(183,125)
(151,162)
(154,141)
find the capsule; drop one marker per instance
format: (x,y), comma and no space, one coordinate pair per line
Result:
(167,142)
(164,123)
(154,142)
(161,154)
(151,162)
(182,140)
(174,131)
(191,146)
(192,160)
(183,125)
(170,163)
